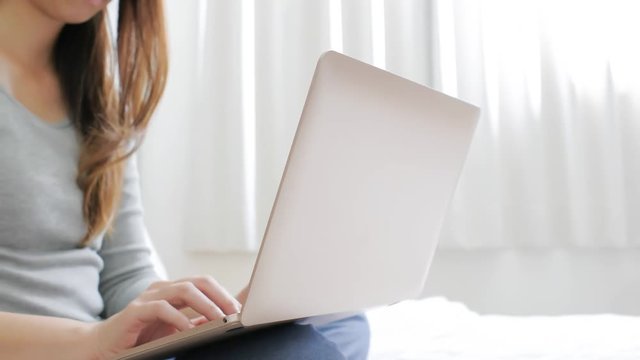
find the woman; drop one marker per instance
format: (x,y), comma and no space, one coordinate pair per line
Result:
(75,274)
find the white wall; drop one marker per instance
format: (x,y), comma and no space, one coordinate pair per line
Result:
(539,281)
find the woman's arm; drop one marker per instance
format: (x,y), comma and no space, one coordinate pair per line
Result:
(126,250)
(152,315)
(41,337)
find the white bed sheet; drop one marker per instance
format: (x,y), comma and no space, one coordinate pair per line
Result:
(438,329)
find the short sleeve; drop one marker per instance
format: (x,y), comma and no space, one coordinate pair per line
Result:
(128,269)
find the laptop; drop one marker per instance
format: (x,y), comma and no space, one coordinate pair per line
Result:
(356,219)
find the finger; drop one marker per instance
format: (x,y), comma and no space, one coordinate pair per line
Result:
(161,310)
(159,284)
(189,312)
(214,291)
(199,320)
(186,294)
(242,295)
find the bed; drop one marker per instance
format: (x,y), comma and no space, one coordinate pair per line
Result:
(435,328)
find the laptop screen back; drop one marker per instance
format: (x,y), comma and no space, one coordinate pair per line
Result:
(373,166)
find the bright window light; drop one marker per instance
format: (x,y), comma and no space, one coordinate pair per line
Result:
(202,34)
(249,119)
(335,18)
(378,35)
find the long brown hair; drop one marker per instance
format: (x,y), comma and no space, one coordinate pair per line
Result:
(110,96)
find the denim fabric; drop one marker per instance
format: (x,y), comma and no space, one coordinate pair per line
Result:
(351,335)
(346,339)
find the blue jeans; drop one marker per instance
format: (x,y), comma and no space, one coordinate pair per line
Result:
(346,339)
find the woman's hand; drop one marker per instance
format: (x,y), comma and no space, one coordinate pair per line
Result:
(156,313)
(242,295)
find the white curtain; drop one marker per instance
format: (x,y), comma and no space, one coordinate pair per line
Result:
(555,159)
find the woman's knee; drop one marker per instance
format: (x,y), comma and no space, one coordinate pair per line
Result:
(351,335)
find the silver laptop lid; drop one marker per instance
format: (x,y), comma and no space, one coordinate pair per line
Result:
(356,220)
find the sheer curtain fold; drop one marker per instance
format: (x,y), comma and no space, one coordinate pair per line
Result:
(285,58)
(553,142)
(554,161)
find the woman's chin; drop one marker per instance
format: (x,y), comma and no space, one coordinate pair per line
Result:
(70,11)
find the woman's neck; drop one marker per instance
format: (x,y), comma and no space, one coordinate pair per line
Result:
(27,34)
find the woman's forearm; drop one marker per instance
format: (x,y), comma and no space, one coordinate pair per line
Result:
(41,337)
(153,314)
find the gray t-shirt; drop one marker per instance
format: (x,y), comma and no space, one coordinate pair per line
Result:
(42,269)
